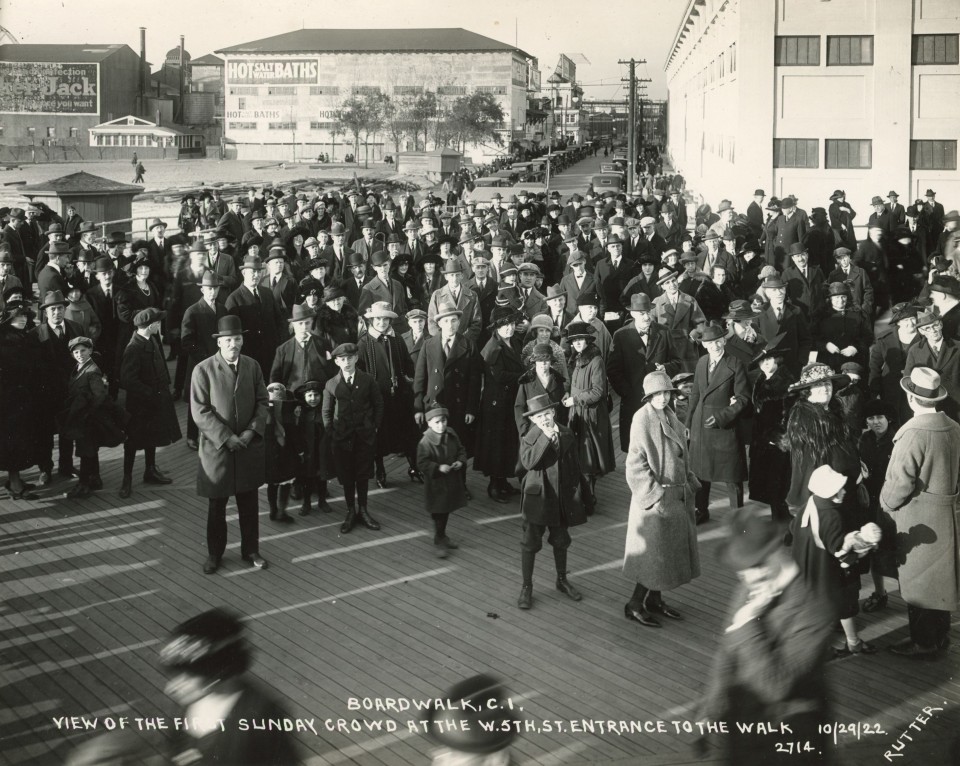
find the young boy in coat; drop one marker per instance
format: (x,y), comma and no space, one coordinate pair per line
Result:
(548,452)
(313,471)
(442,459)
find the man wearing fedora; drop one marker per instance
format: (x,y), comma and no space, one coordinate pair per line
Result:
(229,400)
(771,661)
(897,211)
(160,250)
(933,213)
(230,220)
(355,278)
(382,288)
(743,340)
(8,281)
(54,233)
(153,420)
(532,302)
(719,395)
(679,314)
(86,236)
(53,276)
(920,493)
(804,281)
(71,225)
(53,336)
(881,217)
(938,353)
(861,288)
(262,319)
(10,235)
(945,295)
(304,356)
(550,501)
(613,274)
(640,347)
(782,318)
(198,326)
(462,298)
(790,228)
(279,281)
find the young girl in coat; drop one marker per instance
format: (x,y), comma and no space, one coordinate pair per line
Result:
(589,416)
(280,442)
(442,459)
(314,467)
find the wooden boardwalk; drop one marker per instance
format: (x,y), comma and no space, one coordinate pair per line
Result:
(90,588)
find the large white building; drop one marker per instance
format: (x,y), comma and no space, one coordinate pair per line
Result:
(282,93)
(805,96)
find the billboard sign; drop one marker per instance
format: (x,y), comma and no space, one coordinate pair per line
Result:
(46,87)
(566,69)
(273,72)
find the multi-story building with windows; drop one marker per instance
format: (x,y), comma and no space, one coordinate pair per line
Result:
(282,93)
(805,96)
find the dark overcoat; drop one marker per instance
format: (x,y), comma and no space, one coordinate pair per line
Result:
(947,363)
(264,326)
(498,447)
(793,324)
(444,492)
(679,320)
(294,365)
(143,373)
(453,383)
(590,419)
(282,441)
(387,360)
(225,405)
(530,386)
(888,357)
(769,464)
(717,452)
(850,328)
(351,417)
(550,486)
(130,301)
(196,332)
(20,402)
(90,417)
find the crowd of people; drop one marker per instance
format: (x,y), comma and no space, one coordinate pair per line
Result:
(315,335)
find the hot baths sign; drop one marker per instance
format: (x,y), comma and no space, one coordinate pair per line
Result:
(272,72)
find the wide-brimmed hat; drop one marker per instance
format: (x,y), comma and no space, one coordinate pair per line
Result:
(148,316)
(502,316)
(705,333)
(924,384)
(577,330)
(300,312)
(483,723)
(818,372)
(452,266)
(156,222)
(752,539)
(447,309)
(331,293)
(53,298)
(640,302)
(381,310)
(86,227)
(903,311)
(928,316)
(773,348)
(555,291)
(944,283)
(771,283)
(657,382)
(228,325)
(838,288)
(665,275)
(251,262)
(379,258)
(538,404)
(740,311)
(210,279)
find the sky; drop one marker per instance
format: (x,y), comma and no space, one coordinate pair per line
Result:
(641,29)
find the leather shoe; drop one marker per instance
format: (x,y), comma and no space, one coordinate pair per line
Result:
(350,522)
(153,475)
(256,560)
(323,506)
(564,586)
(95,482)
(666,611)
(415,475)
(467,495)
(495,494)
(701,517)
(211,565)
(126,487)
(641,615)
(193,444)
(367,520)
(913,649)
(81,490)
(283,517)
(305,509)
(526,597)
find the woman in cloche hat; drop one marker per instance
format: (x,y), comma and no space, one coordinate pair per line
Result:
(661,544)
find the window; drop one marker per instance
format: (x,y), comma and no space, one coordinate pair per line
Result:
(850,50)
(239,91)
(74,132)
(281,90)
(281,126)
(933,155)
(797,51)
(796,153)
(324,90)
(936,49)
(51,132)
(733,58)
(242,125)
(31,132)
(407,90)
(849,153)
(322,125)
(241,103)
(497,90)
(452,90)
(366,90)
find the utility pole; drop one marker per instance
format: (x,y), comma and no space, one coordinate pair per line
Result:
(632,122)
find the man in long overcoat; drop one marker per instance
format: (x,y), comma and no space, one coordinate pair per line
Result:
(261,317)
(938,353)
(228,399)
(920,492)
(782,318)
(679,314)
(720,393)
(550,503)
(198,337)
